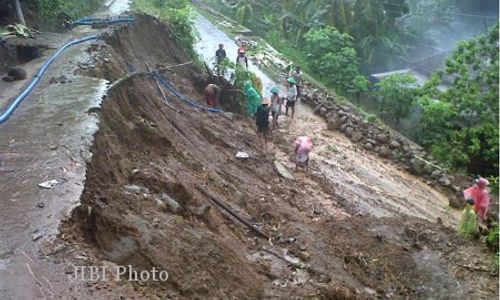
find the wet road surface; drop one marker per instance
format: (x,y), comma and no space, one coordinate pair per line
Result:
(47,138)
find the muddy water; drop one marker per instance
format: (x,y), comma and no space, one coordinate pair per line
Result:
(372,185)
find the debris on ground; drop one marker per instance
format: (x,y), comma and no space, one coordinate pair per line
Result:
(242,155)
(51,183)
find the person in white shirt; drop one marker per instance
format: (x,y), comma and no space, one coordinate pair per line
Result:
(242,60)
(291,97)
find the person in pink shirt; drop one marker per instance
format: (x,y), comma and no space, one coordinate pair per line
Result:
(479,193)
(303,146)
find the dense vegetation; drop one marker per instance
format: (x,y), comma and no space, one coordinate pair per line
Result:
(51,14)
(458,124)
(341,42)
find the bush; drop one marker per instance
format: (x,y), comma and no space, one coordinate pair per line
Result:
(395,96)
(331,54)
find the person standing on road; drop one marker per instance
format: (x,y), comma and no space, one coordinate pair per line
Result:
(220,54)
(242,60)
(303,146)
(262,121)
(297,75)
(479,193)
(291,97)
(276,103)
(212,93)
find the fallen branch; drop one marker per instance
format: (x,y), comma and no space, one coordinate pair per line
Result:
(143,73)
(232,213)
(428,162)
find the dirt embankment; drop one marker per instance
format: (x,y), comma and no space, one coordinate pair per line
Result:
(143,205)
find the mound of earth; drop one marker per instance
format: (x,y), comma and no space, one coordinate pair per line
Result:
(145,204)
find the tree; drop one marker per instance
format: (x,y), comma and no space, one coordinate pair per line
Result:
(332,56)
(19,12)
(395,95)
(460,124)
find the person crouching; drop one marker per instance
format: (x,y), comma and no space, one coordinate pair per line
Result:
(303,146)
(212,93)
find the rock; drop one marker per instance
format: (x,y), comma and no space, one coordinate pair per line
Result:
(8,79)
(317,108)
(37,235)
(383,151)
(17,73)
(283,171)
(348,131)
(41,205)
(456,202)
(333,122)
(343,119)
(369,146)
(444,181)
(132,188)
(394,144)
(371,141)
(415,167)
(356,136)
(200,211)
(343,127)
(382,138)
(428,169)
(172,204)
(323,111)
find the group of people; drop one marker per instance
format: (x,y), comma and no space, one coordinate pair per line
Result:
(241,59)
(477,202)
(261,108)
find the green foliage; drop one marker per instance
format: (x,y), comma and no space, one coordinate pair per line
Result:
(492,237)
(494,185)
(242,75)
(177,13)
(460,124)
(395,96)
(52,12)
(332,55)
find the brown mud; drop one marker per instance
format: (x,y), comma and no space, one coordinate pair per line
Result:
(340,231)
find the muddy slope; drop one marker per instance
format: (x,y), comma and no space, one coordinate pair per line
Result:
(144,205)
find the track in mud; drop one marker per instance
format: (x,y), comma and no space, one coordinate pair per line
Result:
(142,206)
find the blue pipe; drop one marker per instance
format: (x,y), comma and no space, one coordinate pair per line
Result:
(38,76)
(192,103)
(110,21)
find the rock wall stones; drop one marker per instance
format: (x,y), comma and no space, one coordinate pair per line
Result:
(385,142)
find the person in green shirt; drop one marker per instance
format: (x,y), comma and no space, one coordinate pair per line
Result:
(253,98)
(468,223)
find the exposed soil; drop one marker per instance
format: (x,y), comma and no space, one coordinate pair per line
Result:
(353,227)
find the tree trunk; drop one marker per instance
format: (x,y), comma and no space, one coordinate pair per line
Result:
(19,12)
